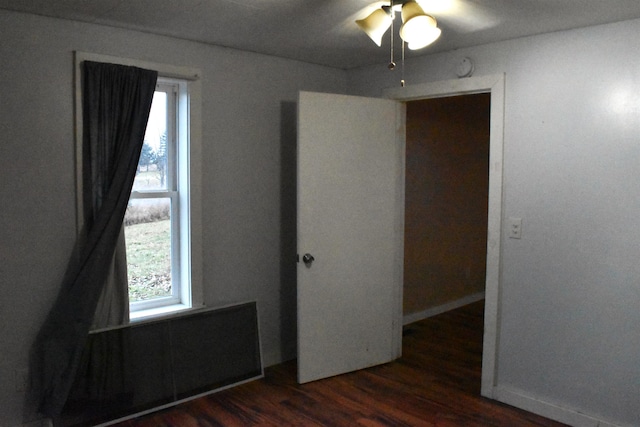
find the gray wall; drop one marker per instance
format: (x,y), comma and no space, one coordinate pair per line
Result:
(569,333)
(248,178)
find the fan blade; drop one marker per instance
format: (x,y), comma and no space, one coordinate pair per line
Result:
(460,15)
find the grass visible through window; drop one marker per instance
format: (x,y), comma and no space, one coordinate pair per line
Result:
(148,252)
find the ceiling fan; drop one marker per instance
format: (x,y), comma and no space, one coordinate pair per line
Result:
(463,16)
(418,28)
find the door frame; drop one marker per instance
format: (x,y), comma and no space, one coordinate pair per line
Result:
(494,84)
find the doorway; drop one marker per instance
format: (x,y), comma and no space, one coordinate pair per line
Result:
(495,86)
(446,197)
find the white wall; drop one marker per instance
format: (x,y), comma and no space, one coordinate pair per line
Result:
(248,204)
(569,335)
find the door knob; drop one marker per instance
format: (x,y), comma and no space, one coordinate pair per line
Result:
(308,259)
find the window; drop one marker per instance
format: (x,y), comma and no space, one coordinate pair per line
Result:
(163,221)
(153,219)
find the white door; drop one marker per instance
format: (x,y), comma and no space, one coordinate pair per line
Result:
(350,220)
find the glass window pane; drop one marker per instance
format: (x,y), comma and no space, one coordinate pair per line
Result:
(148,239)
(152,167)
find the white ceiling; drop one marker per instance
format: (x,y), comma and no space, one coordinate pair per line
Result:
(323,31)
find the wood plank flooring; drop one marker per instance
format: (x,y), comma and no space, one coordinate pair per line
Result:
(435,383)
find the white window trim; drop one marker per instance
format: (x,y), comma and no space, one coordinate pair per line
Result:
(191,223)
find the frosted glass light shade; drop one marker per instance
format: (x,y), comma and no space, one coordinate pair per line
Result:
(375,25)
(418,29)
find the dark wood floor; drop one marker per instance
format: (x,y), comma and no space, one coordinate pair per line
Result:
(435,383)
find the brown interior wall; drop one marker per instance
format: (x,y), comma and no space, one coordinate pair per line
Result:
(447,176)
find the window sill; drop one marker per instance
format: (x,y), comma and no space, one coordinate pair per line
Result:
(154,313)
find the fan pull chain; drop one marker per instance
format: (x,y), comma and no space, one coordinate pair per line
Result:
(402,79)
(392,65)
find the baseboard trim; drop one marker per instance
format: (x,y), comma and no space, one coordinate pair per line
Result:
(555,412)
(433,311)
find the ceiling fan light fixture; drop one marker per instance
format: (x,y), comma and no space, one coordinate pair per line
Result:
(418,29)
(426,37)
(376,24)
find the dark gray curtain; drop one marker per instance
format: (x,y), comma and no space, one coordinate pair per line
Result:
(116,104)
(113,304)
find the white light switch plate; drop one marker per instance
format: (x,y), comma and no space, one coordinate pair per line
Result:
(515,228)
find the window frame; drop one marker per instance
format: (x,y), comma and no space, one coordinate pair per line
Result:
(187,82)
